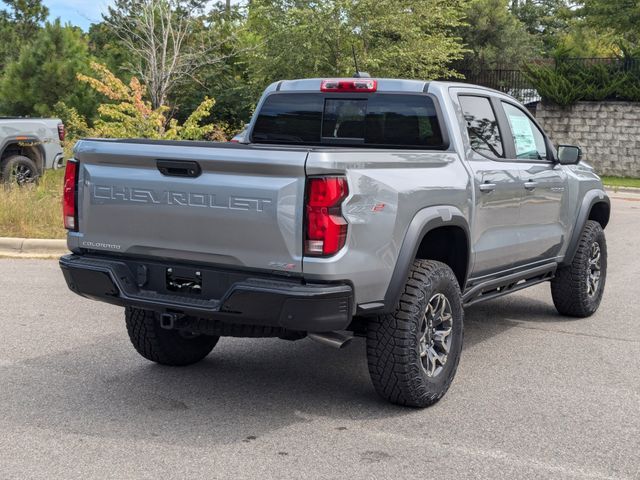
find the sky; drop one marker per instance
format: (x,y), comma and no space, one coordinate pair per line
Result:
(79,12)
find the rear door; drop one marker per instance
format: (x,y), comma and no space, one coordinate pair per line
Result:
(497,184)
(225,205)
(543,185)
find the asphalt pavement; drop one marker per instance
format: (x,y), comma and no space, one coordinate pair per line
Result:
(537,395)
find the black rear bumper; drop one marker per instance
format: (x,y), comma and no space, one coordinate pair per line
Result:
(227,296)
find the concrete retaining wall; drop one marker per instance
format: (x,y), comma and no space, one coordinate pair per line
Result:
(608,132)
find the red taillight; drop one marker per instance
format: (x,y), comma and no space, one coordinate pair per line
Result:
(69,196)
(326,228)
(61,132)
(349,85)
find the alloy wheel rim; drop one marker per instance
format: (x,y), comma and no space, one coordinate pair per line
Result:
(22,174)
(595,269)
(435,335)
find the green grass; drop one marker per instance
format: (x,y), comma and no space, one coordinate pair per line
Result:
(33,211)
(621,182)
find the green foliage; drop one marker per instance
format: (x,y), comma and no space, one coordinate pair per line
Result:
(75,124)
(27,16)
(571,81)
(620,17)
(45,73)
(228,81)
(545,19)
(495,38)
(396,38)
(552,86)
(129,115)
(18,26)
(106,47)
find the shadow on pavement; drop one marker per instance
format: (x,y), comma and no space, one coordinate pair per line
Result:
(243,390)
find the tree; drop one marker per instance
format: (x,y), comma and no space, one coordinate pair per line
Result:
(45,74)
(27,16)
(166,40)
(546,19)
(228,81)
(495,38)
(620,17)
(404,38)
(19,25)
(108,49)
(302,38)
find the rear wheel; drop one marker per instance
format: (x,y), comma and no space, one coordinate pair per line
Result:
(577,288)
(414,352)
(167,347)
(19,170)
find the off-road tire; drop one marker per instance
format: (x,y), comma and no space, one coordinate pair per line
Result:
(9,164)
(166,347)
(393,340)
(569,288)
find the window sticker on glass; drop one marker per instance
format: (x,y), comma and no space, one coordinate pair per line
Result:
(529,141)
(522,135)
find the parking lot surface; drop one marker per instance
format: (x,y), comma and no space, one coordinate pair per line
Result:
(536,395)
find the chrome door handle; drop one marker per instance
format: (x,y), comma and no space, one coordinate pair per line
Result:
(487,187)
(530,185)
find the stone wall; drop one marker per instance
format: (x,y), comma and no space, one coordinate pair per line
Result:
(608,132)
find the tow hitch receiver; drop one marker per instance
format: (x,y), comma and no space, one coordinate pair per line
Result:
(168,321)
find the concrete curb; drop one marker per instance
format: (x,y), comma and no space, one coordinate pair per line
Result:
(21,247)
(622,189)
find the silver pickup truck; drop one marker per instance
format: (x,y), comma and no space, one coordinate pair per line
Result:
(28,147)
(368,207)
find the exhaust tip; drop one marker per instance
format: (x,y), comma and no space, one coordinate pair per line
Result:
(332,339)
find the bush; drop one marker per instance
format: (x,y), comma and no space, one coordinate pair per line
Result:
(129,115)
(571,81)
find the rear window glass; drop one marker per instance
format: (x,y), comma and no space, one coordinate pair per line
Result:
(383,120)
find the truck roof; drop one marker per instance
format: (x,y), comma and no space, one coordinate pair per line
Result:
(384,84)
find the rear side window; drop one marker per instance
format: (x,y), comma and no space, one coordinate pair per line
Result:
(380,120)
(482,126)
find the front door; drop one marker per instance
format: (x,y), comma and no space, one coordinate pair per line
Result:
(544,182)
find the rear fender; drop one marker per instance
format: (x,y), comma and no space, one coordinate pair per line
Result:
(423,222)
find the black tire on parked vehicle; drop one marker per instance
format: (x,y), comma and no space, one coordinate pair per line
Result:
(167,347)
(577,288)
(19,169)
(414,352)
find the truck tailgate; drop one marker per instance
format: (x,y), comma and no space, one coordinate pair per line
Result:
(244,208)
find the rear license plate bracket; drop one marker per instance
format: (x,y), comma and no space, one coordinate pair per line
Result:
(184,280)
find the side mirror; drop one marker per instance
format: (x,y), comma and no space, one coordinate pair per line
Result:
(569,154)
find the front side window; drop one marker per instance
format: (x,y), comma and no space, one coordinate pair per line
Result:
(528,139)
(379,120)
(482,126)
